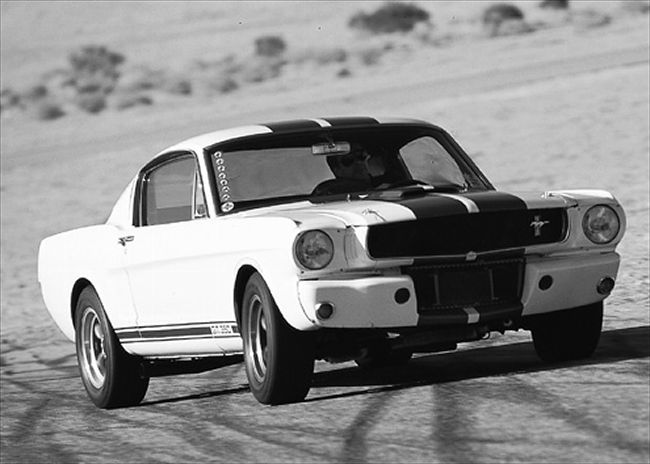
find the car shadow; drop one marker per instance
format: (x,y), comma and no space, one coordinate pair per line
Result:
(473,363)
(615,345)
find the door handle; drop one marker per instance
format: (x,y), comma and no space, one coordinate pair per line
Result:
(123,240)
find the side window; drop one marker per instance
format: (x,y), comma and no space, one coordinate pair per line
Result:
(428,161)
(171,192)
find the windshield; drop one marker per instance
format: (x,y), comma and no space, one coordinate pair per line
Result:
(323,166)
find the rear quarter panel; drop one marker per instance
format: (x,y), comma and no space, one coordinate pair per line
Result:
(90,253)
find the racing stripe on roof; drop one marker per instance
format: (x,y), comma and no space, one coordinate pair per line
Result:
(294,125)
(351,121)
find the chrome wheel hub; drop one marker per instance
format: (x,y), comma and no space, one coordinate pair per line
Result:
(93,354)
(257,338)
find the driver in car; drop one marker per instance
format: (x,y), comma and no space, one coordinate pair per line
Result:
(355,171)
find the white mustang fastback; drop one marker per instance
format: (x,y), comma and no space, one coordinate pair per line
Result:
(336,239)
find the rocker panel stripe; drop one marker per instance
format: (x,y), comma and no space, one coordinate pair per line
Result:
(178,332)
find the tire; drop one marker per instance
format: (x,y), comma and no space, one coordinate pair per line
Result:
(383,356)
(568,335)
(110,375)
(279,359)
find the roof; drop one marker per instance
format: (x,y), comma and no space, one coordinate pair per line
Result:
(200,142)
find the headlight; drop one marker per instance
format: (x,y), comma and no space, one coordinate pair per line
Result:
(314,249)
(601,224)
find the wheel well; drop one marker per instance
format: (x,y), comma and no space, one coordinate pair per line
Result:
(244,273)
(78,287)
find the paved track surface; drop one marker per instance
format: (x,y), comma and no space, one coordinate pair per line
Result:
(490,404)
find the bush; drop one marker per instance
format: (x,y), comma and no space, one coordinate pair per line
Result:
(344,72)
(9,99)
(130,100)
(370,56)
(36,92)
(47,110)
(262,69)
(496,15)
(390,18)
(177,86)
(223,84)
(95,69)
(95,59)
(555,4)
(270,46)
(91,102)
(590,19)
(330,55)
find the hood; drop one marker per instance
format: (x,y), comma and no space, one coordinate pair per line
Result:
(405,205)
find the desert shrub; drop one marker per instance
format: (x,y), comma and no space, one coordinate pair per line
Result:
(344,72)
(35,92)
(554,4)
(9,99)
(140,78)
(330,55)
(262,69)
(177,86)
(390,17)
(47,110)
(370,56)
(95,69)
(223,84)
(270,46)
(496,15)
(590,19)
(91,102)
(130,100)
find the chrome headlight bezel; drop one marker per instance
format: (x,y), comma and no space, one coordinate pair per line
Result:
(313,250)
(601,224)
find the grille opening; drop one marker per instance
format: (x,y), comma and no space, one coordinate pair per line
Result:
(483,283)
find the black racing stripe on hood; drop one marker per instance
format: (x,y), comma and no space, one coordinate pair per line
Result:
(294,125)
(351,121)
(491,200)
(432,205)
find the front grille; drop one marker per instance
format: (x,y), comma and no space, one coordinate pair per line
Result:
(460,234)
(481,283)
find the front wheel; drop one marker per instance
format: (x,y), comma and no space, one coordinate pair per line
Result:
(568,335)
(279,359)
(110,375)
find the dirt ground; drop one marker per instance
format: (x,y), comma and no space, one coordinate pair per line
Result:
(562,107)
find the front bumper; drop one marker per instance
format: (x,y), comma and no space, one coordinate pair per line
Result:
(378,301)
(574,281)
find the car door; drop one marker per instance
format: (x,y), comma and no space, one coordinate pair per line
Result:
(172,278)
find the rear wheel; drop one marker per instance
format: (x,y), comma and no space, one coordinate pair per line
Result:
(568,335)
(110,375)
(279,359)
